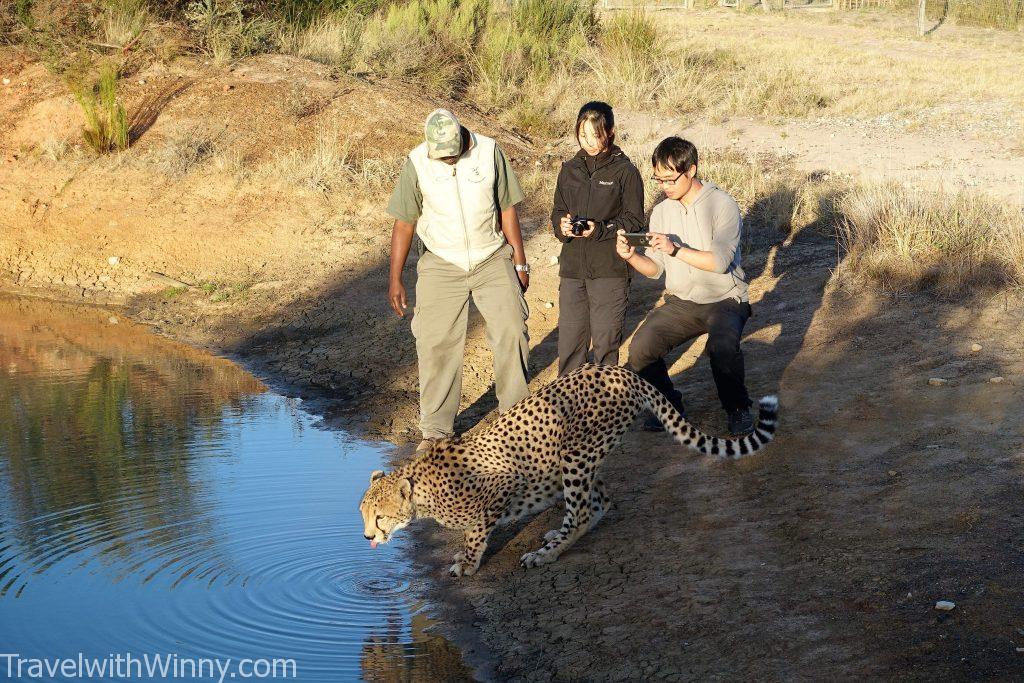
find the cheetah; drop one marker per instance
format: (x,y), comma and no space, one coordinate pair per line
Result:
(548,446)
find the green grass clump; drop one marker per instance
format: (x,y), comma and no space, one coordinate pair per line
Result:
(106,122)
(172,293)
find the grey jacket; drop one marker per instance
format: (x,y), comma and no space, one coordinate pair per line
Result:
(712,224)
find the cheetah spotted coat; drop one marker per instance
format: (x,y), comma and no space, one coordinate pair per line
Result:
(548,446)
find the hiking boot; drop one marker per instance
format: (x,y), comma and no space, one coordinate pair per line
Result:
(740,421)
(426,445)
(653,424)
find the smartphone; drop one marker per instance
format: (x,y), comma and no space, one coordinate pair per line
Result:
(638,239)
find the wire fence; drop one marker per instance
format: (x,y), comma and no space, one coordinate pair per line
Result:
(765,4)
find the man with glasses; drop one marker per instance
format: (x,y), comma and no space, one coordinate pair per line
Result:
(695,243)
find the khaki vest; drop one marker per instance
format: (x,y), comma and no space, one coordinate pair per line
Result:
(459,221)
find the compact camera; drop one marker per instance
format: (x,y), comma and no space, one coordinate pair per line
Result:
(579,225)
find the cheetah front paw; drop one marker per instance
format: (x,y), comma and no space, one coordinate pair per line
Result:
(536,559)
(461,569)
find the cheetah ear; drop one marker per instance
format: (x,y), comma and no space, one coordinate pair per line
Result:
(375,475)
(405,488)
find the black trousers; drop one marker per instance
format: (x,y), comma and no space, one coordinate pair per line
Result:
(678,321)
(590,310)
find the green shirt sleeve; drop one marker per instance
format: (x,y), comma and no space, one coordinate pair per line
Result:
(506,185)
(406,202)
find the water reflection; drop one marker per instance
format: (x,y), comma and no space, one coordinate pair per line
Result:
(393,654)
(96,420)
(160,500)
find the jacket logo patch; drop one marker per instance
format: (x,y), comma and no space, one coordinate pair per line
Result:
(605,182)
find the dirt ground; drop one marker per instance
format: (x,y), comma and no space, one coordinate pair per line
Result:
(821,558)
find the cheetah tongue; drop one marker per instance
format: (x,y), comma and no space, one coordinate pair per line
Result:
(373,544)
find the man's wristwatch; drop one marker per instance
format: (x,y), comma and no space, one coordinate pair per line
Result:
(675,250)
(523,268)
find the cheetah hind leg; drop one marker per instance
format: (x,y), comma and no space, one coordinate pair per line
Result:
(575,523)
(599,505)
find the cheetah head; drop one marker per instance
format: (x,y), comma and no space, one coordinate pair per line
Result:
(386,507)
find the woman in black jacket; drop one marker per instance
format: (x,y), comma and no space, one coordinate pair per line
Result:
(602,186)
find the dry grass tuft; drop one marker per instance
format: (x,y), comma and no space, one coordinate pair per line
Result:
(905,239)
(332,39)
(323,166)
(123,21)
(328,165)
(188,148)
(55,148)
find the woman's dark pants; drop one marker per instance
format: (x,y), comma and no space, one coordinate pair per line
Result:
(590,310)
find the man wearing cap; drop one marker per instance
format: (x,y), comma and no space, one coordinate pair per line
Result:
(457,193)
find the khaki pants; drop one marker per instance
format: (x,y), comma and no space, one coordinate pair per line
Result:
(439,325)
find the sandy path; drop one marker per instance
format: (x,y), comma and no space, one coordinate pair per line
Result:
(869,151)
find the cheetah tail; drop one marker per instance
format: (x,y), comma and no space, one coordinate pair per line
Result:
(730,449)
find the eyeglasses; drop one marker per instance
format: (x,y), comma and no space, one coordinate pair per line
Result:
(664,181)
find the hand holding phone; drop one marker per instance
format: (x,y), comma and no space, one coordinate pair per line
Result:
(638,239)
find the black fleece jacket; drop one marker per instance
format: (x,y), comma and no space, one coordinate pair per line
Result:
(607,190)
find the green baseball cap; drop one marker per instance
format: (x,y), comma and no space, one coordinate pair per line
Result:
(443,133)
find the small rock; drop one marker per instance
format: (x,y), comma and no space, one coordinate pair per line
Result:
(112,320)
(975,347)
(7,81)
(142,81)
(937,381)
(114,260)
(945,605)
(548,304)
(996,380)
(553,260)
(227,87)
(892,473)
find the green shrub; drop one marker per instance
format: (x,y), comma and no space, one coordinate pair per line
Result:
(428,40)
(524,48)
(106,122)
(15,15)
(225,29)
